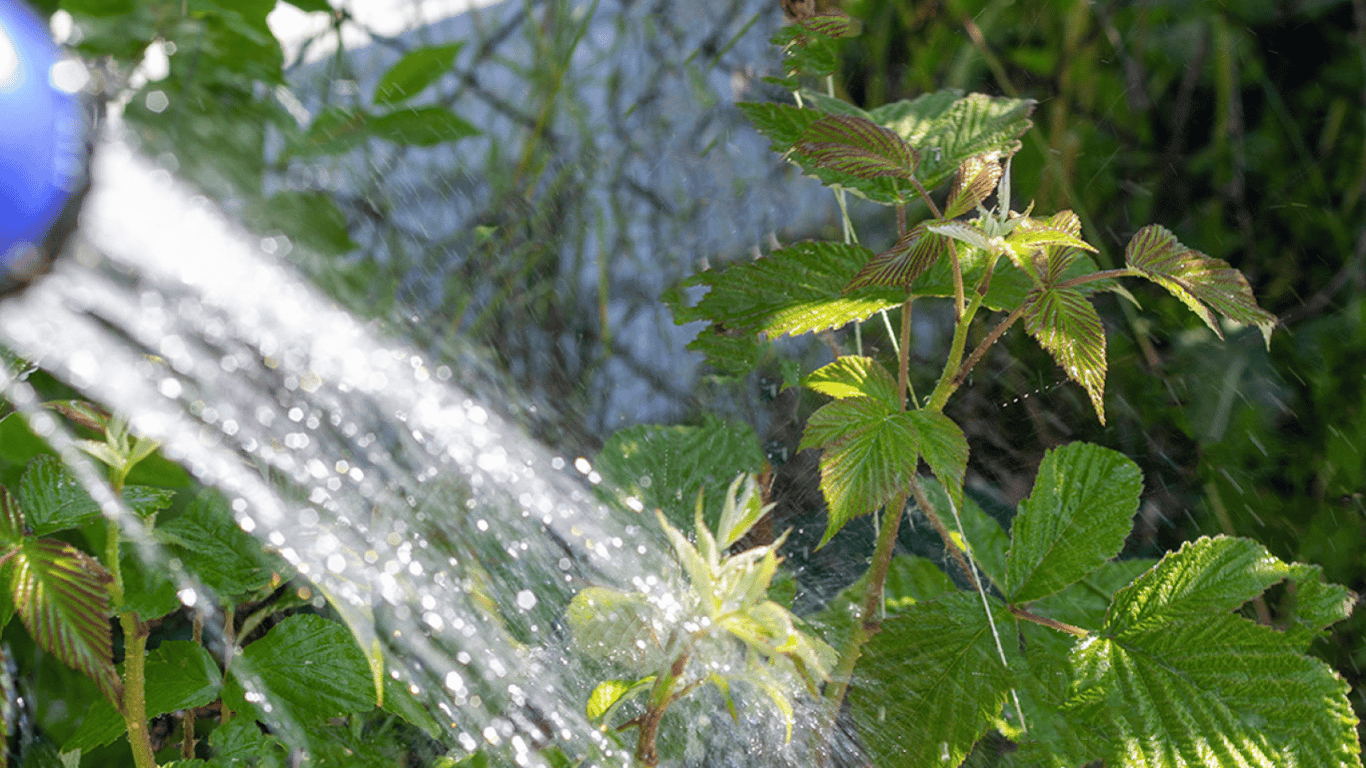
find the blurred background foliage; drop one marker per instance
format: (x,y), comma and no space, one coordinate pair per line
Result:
(1239,126)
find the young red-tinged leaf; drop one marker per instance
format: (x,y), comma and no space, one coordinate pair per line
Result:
(1066,325)
(858,147)
(870,454)
(1046,247)
(793,290)
(932,682)
(945,449)
(964,232)
(60,594)
(11,518)
(1204,284)
(974,182)
(910,256)
(1173,664)
(1076,518)
(854,376)
(948,127)
(86,414)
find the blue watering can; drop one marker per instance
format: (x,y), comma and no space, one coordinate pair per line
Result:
(44,146)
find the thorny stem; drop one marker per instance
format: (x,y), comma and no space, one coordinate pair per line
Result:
(134,689)
(904,389)
(923,502)
(661,696)
(959,294)
(945,387)
(929,201)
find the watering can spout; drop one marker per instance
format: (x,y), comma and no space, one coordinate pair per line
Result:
(44,146)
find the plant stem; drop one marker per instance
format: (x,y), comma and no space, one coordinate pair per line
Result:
(946,385)
(1094,276)
(1021,613)
(922,501)
(870,614)
(661,696)
(982,348)
(903,386)
(134,689)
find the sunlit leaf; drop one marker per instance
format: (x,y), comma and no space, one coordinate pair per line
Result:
(1076,518)
(744,506)
(1204,284)
(965,232)
(858,147)
(305,669)
(974,182)
(947,127)
(86,414)
(609,694)
(1176,678)
(412,74)
(1065,324)
(790,291)
(226,558)
(1046,247)
(910,256)
(854,376)
(54,500)
(61,596)
(870,454)
(932,682)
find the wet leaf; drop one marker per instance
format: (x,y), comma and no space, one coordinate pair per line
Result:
(945,449)
(226,558)
(617,626)
(609,694)
(422,126)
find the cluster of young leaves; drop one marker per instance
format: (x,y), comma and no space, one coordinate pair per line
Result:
(296,677)
(676,641)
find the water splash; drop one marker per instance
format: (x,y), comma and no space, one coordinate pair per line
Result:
(412,505)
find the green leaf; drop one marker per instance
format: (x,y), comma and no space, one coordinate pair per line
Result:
(945,449)
(226,558)
(609,694)
(854,376)
(870,454)
(912,255)
(1315,604)
(179,675)
(334,131)
(782,124)
(311,5)
(948,128)
(306,668)
(421,126)
(932,682)
(412,74)
(84,413)
(148,587)
(1067,326)
(1205,285)
(60,594)
(1076,518)
(665,467)
(1175,678)
(793,290)
(399,700)
(616,626)
(18,444)
(241,742)
(858,147)
(974,182)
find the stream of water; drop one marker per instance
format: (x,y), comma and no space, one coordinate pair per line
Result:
(403,498)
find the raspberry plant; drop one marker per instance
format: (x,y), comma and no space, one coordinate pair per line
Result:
(1052,642)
